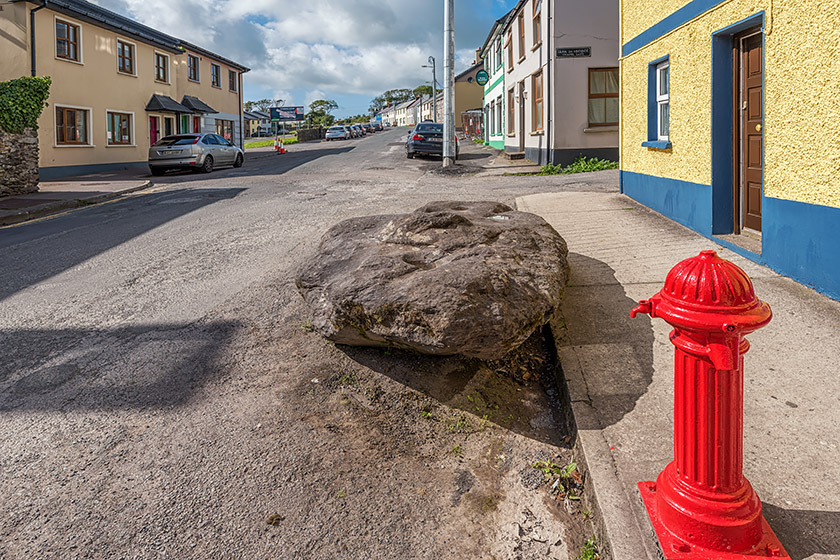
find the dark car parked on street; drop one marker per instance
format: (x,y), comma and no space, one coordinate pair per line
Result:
(197,152)
(427,138)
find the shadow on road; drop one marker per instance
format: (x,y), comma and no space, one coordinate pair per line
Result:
(491,391)
(134,367)
(39,250)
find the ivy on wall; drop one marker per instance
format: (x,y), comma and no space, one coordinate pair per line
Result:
(22,101)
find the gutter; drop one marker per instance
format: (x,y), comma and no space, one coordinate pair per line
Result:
(32,33)
(241,122)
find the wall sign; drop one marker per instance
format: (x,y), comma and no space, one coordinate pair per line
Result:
(482,77)
(574,52)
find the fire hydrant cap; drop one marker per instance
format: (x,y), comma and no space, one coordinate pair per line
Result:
(708,291)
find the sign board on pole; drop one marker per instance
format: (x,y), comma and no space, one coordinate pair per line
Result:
(286,114)
(482,77)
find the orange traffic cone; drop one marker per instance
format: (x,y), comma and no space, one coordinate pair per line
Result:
(281,149)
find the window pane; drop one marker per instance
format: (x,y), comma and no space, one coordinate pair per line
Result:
(663,119)
(59,125)
(61,30)
(611,110)
(597,111)
(596,82)
(61,48)
(81,126)
(664,80)
(611,81)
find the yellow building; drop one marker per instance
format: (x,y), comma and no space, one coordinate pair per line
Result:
(117,86)
(728,118)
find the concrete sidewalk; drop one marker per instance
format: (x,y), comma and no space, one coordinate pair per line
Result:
(62,194)
(619,372)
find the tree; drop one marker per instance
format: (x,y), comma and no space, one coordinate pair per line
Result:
(319,112)
(420,91)
(390,97)
(263,104)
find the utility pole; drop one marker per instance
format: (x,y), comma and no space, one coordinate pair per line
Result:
(434,86)
(448,83)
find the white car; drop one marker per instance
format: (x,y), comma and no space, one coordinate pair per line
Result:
(337,133)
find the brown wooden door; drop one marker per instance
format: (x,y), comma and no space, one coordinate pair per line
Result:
(751,137)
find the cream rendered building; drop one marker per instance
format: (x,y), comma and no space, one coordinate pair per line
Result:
(117,86)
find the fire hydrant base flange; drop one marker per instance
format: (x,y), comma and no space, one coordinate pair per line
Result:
(675,549)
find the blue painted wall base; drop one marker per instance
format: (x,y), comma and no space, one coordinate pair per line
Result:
(799,240)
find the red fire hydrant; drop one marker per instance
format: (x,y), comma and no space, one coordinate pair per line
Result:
(701,506)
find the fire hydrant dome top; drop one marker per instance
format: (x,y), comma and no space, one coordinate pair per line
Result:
(709,282)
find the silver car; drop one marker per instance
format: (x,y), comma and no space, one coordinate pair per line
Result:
(337,133)
(197,152)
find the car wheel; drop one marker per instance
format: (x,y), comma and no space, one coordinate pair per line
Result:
(158,171)
(238,161)
(207,166)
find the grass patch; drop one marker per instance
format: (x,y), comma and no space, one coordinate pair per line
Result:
(580,165)
(269,142)
(478,141)
(589,551)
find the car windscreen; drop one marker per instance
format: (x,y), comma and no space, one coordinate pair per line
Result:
(429,128)
(175,141)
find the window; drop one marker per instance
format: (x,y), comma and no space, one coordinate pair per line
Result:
(537,21)
(224,129)
(232,79)
(215,75)
(509,48)
(492,113)
(537,101)
(499,129)
(192,68)
(161,67)
(603,96)
(511,113)
(521,23)
(125,57)
(71,126)
(498,52)
(663,94)
(119,129)
(66,40)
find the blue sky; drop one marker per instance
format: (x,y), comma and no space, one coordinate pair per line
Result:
(345,50)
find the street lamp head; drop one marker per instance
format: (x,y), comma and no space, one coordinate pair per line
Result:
(431,60)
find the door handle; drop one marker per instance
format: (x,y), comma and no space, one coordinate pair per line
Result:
(758,128)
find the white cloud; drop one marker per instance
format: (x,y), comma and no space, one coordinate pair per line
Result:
(335,47)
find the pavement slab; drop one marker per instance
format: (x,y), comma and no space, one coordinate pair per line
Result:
(619,373)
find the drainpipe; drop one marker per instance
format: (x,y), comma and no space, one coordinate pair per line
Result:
(549,82)
(241,122)
(32,33)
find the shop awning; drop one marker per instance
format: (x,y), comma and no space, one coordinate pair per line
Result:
(196,105)
(164,104)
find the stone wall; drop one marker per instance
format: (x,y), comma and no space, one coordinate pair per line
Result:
(18,162)
(307,134)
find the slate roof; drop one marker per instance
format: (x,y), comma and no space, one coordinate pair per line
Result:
(196,105)
(165,104)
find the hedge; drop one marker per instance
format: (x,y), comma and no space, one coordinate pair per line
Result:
(22,101)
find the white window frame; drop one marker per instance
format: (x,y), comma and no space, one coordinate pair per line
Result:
(499,118)
(77,24)
(133,134)
(168,67)
(90,144)
(663,99)
(133,60)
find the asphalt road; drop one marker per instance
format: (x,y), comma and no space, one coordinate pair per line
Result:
(154,353)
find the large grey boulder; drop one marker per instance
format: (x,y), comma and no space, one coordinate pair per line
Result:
(468,278)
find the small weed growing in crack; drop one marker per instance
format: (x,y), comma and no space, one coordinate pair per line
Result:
(456,451)
(458,423)
(306,325)
(425,414)
(589,551)
(567,481)
(342,494)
